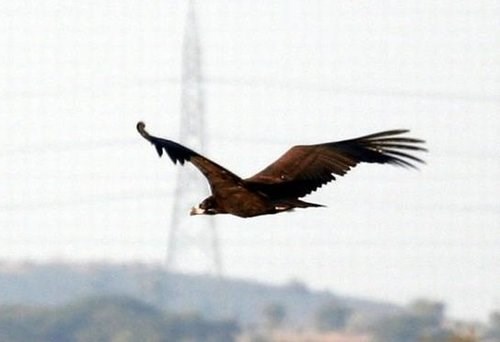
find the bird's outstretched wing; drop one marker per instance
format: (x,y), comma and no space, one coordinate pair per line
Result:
(218,177)
(303,169)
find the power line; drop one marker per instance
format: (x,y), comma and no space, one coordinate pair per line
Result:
(350,90)
(63,146)
(283,84)
(99,144)
(83,201)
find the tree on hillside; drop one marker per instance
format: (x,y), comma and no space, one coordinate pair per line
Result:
(332,316)
(421,322)
(274,315)
(493,330)
(398,328)
(431,312)
(430,315)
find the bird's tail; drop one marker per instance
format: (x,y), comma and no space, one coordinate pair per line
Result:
(304,204)
(296,203)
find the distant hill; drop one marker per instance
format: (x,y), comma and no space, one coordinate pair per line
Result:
(54,284)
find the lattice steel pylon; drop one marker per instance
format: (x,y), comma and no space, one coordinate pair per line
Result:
(193,243)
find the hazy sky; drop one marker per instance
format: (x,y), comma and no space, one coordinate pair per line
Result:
(79,183)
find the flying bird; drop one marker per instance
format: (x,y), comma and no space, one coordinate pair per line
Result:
(300,171)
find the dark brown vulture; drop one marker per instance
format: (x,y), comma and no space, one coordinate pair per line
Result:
(300,171)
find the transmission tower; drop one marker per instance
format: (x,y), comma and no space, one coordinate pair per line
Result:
(193,243)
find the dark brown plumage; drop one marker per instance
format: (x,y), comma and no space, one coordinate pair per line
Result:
(300,171)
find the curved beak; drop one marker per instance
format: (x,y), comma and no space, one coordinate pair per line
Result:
(197,211)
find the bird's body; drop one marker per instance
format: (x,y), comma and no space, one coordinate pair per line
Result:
(301,170)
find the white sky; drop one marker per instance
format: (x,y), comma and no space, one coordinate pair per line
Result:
(79,183)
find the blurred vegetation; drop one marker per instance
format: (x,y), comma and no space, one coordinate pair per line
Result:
(138,303)
(117,319)
(332,316)
(274,315)
(422,321)
(493,330)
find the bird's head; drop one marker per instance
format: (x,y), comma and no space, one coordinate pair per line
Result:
(206,207)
